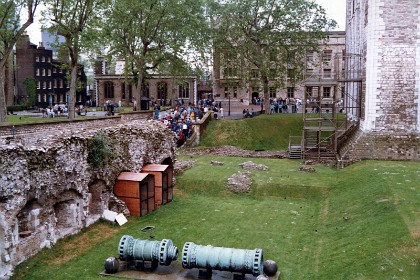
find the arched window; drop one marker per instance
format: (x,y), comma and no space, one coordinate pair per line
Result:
(162,90)
(146,92)
(184,90)
(130,91)
(109,90)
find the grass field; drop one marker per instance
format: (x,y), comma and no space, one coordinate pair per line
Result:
(361,222)
(265,132)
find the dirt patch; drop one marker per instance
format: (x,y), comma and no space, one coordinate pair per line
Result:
(236,152)
(89,239)
(415,234)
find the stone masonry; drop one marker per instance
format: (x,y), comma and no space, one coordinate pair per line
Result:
(386,33)
(49,190)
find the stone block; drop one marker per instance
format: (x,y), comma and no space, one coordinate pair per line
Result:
(109,215)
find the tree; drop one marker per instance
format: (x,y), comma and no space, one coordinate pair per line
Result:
(77,21)
(267,40)
(11,29)
(152,34)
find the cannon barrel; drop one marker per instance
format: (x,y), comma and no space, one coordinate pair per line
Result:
(145,250)
(225,259)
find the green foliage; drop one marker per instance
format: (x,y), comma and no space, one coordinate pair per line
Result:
(15,108)
(271,36)
(265,132)
(156,35)
(30,85)
(100,150)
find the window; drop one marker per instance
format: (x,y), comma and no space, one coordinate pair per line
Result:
(184,90)
(230,72)
(235,92)
(49,84)
(49,59)
(49,72)
(68,84)
(290,92)
(255,73)
(61,83)
(43,71)
(129,88)
(109,89)
(327,56)
(43,59)
(54,70)
(162,90)
(55,83)
(226,92)
(44,85)
(291,74)
(37,59)
(326,92)
(309,58)
(272,92)
(146,91)
(38,85)
(327,74)
(308,91)
(38,97)
(37,72)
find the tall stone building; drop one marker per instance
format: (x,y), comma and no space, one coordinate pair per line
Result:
(321,75)
(161,89)
(385,35)
(51,86)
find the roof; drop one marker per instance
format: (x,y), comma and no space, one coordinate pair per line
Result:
(131,176)
(154,167)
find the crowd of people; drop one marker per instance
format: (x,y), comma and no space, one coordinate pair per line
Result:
(181,118)
(287,105)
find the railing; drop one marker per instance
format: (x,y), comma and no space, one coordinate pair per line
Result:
(295,141)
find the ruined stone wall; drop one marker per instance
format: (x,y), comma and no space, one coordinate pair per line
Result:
(49,190)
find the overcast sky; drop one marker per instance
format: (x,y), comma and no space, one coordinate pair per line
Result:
(336,9)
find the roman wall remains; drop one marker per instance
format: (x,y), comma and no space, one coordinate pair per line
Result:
(50,189)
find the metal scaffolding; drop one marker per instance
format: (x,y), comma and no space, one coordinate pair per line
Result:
(331,110)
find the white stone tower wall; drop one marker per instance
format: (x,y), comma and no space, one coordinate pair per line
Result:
(392,65)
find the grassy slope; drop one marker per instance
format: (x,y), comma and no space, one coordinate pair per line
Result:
(266,132)
(361,222)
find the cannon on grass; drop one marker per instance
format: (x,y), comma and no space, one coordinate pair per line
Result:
(142,254)
(208,258)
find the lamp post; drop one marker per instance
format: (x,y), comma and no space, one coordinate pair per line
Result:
(229,105)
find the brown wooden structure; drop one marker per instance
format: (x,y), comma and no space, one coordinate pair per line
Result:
(137,190)
(163,182)
(330,116)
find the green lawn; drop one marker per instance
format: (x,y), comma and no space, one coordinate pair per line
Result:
(265,132)
(361,222)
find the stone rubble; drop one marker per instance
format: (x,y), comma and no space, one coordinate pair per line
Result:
(240,182)
(249,165)
(49,190)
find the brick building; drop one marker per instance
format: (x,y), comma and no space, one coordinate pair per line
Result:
(157,88)
(321,75)
(50,75)
(385,35)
